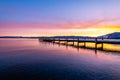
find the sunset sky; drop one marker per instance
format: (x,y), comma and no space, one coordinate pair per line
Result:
(59,17)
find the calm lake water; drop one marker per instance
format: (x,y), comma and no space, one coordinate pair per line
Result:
(30,59)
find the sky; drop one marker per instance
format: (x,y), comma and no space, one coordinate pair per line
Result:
(59,17)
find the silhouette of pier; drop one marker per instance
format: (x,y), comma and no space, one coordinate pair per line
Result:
(79,40)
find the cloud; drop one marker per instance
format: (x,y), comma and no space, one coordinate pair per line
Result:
(61,24)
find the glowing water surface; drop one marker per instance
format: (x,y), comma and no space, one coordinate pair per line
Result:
(30,59)
(107,47)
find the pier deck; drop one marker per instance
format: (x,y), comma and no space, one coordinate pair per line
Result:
(82,40)
(110,41)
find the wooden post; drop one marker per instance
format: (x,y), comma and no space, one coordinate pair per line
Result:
(73,41)
(59,45)
(95,43)
(66,41)
(48,39)
(78,42)
(102,44)
(53,40)
(84,42)
(44,38)
(59,40)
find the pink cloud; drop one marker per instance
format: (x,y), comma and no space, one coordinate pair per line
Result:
(57,24)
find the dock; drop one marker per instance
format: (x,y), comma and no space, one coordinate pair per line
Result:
(82,40)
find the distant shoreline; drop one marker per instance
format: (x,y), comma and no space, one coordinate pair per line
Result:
(115,35)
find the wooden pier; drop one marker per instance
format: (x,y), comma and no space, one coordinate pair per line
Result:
(82,40)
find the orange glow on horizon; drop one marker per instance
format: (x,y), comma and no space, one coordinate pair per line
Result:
(36,29)
(69,32)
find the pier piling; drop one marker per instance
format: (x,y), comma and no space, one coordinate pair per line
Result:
(81,40)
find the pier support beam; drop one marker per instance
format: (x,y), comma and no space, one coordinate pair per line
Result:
(66,41)
(53,39)
(102,45)
(59,41)
(84,42)
(98,42)
(78,42)
(73,41)
(95,43)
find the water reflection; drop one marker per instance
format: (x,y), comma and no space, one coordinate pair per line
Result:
(79,49)
(104,47)
(31,59)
